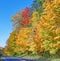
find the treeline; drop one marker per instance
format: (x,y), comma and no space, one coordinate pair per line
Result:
(36,30)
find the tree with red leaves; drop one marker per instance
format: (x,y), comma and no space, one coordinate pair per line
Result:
(25,16)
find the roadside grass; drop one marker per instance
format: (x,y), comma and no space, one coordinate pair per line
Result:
(39,58)
(48,59)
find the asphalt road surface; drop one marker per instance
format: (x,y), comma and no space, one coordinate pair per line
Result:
(15,59)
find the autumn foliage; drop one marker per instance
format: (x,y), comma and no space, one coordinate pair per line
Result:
(42,34)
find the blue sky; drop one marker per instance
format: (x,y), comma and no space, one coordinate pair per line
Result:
(8,8)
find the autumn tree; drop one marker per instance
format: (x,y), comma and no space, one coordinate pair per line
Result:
(21,19)
(38,32)
(22,40)
(50,26)
(9,49)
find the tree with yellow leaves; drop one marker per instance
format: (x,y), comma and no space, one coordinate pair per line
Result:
(50,25)
(44,33)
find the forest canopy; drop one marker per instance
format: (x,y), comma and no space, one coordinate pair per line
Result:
(36,30)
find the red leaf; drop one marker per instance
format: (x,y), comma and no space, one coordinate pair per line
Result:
(25,13)
(25,22)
